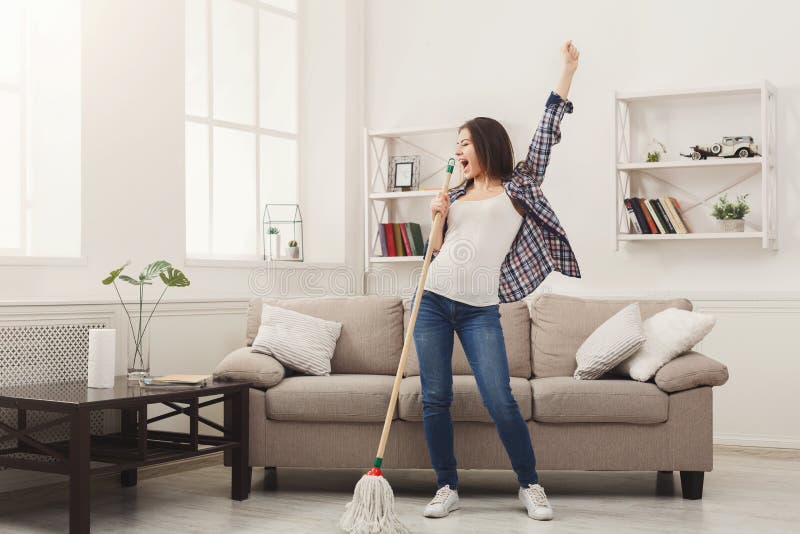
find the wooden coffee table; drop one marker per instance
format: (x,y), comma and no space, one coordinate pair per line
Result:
(83,454)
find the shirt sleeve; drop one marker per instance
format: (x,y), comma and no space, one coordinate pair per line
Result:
(547,134)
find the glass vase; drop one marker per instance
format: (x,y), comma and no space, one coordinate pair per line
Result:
(138,356)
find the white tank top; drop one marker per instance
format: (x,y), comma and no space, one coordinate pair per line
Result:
(479,236)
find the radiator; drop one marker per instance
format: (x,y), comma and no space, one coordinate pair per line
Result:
(45,354)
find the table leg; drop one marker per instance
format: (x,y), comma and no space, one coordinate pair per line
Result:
(129,477)
(79,443)
(240,468)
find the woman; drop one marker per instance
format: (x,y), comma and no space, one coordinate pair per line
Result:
(499,241)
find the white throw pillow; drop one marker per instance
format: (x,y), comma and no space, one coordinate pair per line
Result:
(611,343)
(669,334)
(299,341)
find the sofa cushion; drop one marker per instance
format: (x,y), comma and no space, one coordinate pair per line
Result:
(516,323)
(668,334)
(560,324)
(566,400)
(467,403)
(244,364)
(689,371)
(299,341)
(612,342)
(335,398)
(371,338)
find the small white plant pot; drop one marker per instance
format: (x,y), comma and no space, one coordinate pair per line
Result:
(293,252)
(275,244)
(730,225)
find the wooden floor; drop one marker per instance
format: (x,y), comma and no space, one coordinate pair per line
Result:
(750,490)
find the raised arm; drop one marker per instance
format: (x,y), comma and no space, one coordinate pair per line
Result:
(548,133)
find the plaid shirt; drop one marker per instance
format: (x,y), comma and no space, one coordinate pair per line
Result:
(541,245)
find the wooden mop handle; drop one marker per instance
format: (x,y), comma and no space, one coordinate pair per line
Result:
(438,221)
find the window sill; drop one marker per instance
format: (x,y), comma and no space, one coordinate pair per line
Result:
(256,263)
(43,260)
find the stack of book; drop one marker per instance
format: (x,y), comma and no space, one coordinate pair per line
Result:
(661,215)
(168,381)
(401,239)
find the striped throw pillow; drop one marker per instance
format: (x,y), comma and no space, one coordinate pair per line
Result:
(612,342)
(299,341)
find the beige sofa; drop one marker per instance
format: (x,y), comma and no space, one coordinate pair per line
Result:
(610,424)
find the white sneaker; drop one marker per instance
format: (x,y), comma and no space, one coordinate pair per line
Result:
(444,502)
(535,501)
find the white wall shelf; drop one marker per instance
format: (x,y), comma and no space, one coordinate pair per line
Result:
(402,194)
(687,116)
(395,259)
(689,164)
(383,206)
(693,235)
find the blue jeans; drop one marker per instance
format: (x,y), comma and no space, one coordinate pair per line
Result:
(478,328)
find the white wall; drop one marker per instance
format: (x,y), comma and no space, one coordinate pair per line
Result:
(133,153)
(432,63)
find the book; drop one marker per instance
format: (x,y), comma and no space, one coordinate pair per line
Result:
(663,215)
(176,380)
(416,233)
(633,222)
(666,203)
(654,216)
(645,210)
(387,227)
(679,211)
(382,238)
(636,208)
(398,240)
(404,235)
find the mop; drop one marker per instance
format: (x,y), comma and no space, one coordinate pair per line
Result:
(372,508)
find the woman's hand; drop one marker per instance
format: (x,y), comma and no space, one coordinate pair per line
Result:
(440,204)
(570,56)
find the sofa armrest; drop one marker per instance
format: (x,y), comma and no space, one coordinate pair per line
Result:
(689,371)
(243,364)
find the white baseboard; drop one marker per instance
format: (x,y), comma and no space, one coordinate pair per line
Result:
(774,442)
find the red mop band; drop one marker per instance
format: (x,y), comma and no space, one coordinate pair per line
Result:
(375,472)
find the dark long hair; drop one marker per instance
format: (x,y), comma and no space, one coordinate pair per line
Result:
(492,146)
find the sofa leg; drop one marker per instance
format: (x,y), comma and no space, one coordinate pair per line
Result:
(692,484)
(270,478)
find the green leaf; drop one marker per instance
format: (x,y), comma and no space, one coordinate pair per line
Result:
(134,281)
(174,278)
(154,269)
(114,274)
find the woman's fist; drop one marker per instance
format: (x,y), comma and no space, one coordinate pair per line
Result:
(440,204)
(570,56)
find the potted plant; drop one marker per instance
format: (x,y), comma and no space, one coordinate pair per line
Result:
(139,342)
(274,242)
(655,151)
(292,250)
(730,216)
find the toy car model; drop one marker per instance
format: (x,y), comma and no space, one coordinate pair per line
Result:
(730,147)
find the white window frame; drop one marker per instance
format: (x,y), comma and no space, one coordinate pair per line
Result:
(18,256)
(215,260)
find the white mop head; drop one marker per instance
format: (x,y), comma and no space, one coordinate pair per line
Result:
(372,509)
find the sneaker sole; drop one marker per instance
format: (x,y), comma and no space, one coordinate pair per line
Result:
(453,509)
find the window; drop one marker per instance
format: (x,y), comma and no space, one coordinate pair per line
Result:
(40,128)
(241,121)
